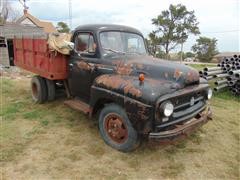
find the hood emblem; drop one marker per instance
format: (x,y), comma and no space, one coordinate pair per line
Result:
(192,101)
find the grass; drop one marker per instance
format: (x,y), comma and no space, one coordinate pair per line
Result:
(201,66)
(51,141)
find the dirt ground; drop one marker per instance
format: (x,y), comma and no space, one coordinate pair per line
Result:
(51,141)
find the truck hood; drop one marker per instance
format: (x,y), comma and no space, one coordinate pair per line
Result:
(147,92)
(161,77)
(157,69)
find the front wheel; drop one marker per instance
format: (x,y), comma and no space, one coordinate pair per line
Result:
(116,129)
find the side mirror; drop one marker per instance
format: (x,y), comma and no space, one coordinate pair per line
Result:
(71,46)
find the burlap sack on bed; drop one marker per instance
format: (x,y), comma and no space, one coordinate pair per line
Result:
(58,42)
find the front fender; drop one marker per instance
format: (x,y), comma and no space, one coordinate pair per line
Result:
(141,115)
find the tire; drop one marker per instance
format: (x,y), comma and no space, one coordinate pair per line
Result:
(51,90)
(39,89)
(116,129)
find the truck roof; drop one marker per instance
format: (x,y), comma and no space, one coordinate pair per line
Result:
(106,27)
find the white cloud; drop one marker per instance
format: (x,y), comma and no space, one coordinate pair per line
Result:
(213,15)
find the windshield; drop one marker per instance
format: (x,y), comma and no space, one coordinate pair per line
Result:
(125,42)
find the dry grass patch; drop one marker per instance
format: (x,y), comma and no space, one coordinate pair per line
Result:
(52,141)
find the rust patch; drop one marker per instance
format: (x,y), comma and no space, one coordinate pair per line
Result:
(177,74)
(142,112)
(123,68)
(126,69)
(192,76)
(139,66)
(117,82)
(83,65)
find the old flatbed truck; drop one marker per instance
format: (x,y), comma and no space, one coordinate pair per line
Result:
(110,74)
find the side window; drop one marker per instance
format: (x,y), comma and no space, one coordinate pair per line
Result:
(132,44)
(84,43)
(135,44)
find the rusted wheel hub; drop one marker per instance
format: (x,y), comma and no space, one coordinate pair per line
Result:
(116,128)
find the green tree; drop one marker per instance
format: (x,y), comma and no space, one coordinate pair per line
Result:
(62,27)
(205,48)
(152,43)
(173,27)
(189,55)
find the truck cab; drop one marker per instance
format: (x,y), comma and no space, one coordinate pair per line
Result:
(134,94)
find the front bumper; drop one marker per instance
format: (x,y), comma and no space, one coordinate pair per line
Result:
(183,129)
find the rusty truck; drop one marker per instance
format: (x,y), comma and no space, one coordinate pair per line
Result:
(110,75)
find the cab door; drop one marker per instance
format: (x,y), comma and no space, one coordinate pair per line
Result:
(81,67)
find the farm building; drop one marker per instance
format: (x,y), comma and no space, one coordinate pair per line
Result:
(25,25)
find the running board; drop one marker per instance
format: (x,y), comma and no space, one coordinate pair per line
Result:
(78,105)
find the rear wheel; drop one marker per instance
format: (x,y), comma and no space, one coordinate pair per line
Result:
(116,129)
(51,90)
(39,89)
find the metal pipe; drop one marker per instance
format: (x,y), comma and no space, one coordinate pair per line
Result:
(218,88)
(212,68)
(231,78)
(237,76)
(213,72)
(231,83)
(229,66)
(236,91)
(225,69)
(233,72)
(217,83)
(209,77)
(221,75)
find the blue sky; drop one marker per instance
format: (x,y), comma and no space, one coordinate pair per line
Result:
(217,18)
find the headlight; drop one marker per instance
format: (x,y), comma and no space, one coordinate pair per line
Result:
(210,93)
(167,108)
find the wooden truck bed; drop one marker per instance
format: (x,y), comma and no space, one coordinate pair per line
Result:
(33,54)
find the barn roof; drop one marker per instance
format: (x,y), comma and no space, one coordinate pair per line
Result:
(47,26)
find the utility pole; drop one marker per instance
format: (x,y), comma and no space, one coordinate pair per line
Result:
(70,13)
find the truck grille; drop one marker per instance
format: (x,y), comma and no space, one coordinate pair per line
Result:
(185,108)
